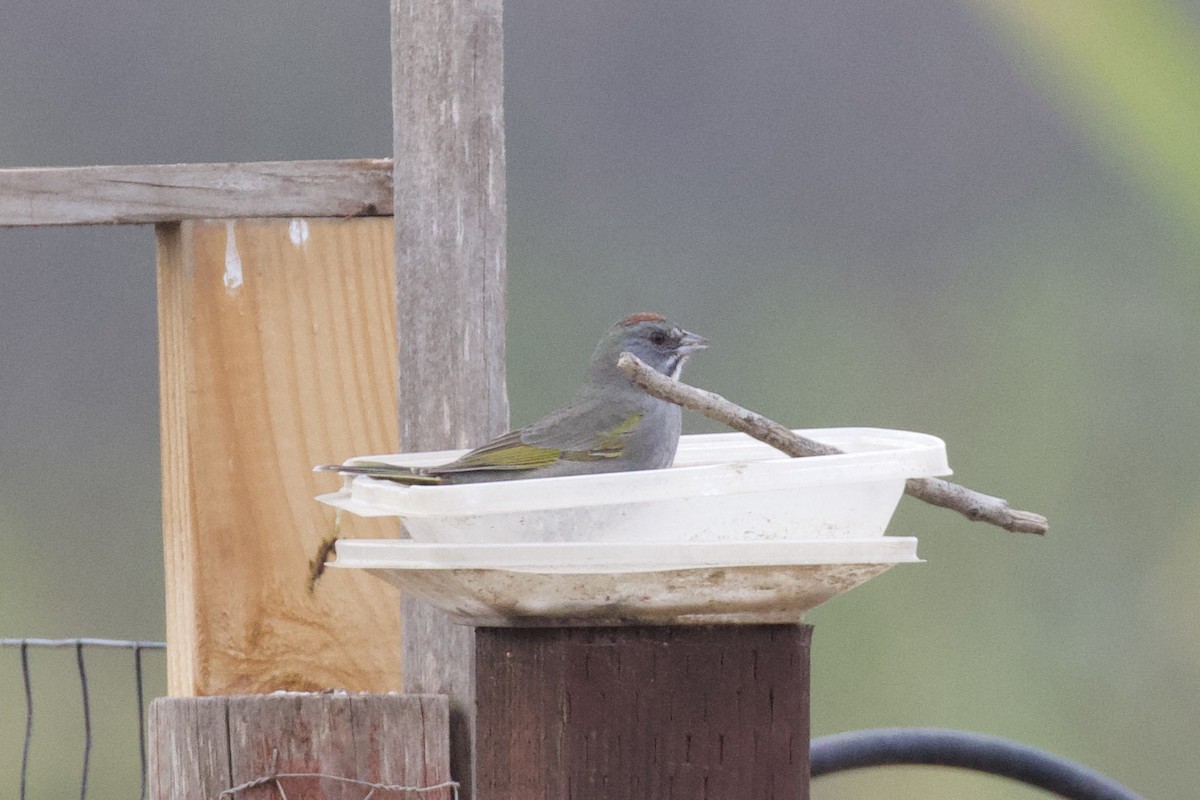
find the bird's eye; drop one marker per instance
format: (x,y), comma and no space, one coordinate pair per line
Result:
(658,338)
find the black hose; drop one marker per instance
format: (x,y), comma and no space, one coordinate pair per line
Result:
(947,748)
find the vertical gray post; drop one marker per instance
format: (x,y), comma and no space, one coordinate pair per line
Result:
(448,114)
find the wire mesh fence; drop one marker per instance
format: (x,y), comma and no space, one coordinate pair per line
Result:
(42,686)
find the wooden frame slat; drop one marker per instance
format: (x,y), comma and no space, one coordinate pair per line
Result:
(153,193)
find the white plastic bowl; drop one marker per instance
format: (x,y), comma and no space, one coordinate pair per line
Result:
(722,487)
(623,583)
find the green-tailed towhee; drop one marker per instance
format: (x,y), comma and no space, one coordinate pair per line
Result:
(610,426)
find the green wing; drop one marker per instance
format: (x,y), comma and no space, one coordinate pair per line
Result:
(531,448)
(507,452)
(379,469)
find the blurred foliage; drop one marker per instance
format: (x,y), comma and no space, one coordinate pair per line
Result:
(977,220)
(1125,74)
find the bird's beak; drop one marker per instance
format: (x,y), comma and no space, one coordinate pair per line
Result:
(690,343)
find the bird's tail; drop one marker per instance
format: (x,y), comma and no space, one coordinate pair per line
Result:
(378,469)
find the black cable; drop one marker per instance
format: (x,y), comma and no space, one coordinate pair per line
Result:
(87,721)
(28,716)
(974,751)
(141,715)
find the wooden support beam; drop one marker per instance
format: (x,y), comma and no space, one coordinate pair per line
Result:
(277,352)
(448,79)
(632,713)
(448,106)
(201,747)
(169,192)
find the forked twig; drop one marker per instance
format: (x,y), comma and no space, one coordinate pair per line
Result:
(935,491)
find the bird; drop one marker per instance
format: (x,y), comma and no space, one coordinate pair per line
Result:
(610,426)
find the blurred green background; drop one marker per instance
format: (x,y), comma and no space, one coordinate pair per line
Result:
(979,220)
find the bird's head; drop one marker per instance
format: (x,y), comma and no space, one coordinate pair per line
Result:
(660,343)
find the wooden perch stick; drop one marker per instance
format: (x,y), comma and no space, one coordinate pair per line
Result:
(971,504)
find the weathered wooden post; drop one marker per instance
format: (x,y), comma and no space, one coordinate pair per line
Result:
(302,746)
(448,104)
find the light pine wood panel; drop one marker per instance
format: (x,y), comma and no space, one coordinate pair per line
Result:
(277,352)
(151,193)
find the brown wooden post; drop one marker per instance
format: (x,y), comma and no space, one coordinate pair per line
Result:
(631,713)
(448,105)
(201,747)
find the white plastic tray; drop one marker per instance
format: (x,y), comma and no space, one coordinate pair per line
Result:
(629,582)
(723,487)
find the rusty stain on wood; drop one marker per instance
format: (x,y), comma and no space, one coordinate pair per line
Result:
(260,380)
(632,713)
(152,193)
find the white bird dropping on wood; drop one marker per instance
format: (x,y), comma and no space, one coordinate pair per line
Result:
(233,260)
(298,231)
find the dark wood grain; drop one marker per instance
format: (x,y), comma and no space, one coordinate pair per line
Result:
(671,713)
